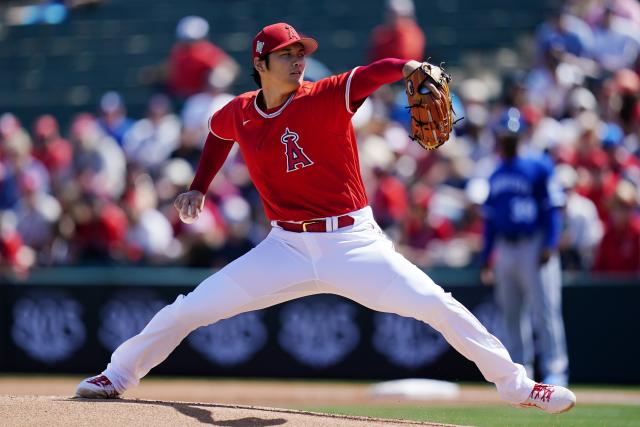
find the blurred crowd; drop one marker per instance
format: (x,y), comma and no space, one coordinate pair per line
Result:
(40,12)
(101,191)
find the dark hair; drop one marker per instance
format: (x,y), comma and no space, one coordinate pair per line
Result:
(508,144)
(256,75)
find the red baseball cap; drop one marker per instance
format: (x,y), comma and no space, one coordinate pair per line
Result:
(278,36)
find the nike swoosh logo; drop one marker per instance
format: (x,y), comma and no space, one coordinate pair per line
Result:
(245,122)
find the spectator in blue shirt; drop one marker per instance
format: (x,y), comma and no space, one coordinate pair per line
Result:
(113,116)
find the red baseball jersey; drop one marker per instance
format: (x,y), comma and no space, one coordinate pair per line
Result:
(302,157)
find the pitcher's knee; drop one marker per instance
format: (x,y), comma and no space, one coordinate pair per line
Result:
(443,304)
(194,312)
(177,309)
(169,316)
(444,308)
(178,312)
(217,297)
(430,308)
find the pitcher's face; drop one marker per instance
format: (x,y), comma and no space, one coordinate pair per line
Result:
(286,67)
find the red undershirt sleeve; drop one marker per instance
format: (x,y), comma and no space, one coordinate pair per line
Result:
(369,78)
(213,156)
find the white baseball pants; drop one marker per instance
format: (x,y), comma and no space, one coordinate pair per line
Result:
(525,291)
(357,262)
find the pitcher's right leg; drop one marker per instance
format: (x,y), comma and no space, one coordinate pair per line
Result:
(269,274)
(217,297)
(135,357)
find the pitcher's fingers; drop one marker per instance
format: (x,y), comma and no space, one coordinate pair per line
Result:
(177,203)
(183,203)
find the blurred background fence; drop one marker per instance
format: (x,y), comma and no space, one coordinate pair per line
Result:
(70,320)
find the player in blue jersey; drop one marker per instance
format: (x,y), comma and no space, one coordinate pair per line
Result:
(522,229)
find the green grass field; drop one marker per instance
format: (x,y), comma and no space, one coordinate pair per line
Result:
(498,416)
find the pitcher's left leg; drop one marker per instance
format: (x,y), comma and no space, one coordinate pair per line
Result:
(414,294)
(375,275)
(363,265)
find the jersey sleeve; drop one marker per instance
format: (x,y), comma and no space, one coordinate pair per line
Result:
(353,87)
(489,231)
(223,122)
(337,88)
(213,156)
(550,198)
(369,78)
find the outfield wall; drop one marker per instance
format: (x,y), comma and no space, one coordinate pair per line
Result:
(70,320)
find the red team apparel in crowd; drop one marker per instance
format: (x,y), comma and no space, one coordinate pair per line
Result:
(302,157)
(190,65)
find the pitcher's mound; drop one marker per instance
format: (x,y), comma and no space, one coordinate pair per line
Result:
(64,411)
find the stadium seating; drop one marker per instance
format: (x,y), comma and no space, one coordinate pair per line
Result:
(65,68)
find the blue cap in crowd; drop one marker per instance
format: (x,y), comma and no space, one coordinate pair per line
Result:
(611,135)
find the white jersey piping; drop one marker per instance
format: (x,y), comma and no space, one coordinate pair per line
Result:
(348,89)
(218,136)
(275,113)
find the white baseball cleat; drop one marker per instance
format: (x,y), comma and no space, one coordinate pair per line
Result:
(550,398)
(98,387)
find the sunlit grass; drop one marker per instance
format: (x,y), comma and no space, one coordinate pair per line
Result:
(497,416)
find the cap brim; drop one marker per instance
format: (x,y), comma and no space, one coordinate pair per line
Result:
(310,45)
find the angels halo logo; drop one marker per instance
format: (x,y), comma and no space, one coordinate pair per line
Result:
(296,158)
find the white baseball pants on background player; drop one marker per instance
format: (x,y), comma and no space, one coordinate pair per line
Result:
(522,284)
(357,262)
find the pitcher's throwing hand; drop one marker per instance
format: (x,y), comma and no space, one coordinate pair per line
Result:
(189,206)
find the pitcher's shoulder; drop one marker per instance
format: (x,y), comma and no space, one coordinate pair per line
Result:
(245,99)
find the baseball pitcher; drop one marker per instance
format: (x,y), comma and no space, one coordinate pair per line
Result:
(300,148)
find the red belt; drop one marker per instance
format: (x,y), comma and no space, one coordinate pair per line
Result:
(316,225)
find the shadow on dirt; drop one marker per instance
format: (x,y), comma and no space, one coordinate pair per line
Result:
(196,411)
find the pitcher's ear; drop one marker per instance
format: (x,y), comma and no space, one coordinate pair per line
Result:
(258,64)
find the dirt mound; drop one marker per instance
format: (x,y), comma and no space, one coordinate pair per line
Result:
(64,411)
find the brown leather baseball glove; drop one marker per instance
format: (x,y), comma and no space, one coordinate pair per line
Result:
(431,116)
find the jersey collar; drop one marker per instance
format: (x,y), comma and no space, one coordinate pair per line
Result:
(275,113)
